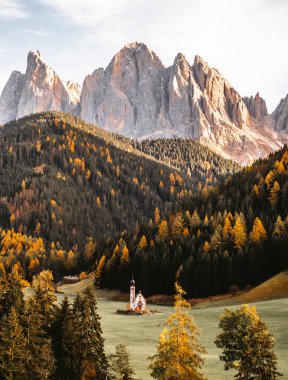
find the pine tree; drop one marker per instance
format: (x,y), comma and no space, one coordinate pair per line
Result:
(45,295)
(227,230)
(239,233)
(64,342)
(177,226)
(258,233)
(93,359)
(41,361)
(156,215)
(11,294)
(99,270)
(163,230)
(274,191)
(178,351)
(119,364)
(142,243)
(13,348)
(279,232)
(247,346)
(195,220)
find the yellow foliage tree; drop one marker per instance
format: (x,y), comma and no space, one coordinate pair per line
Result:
(142,243)
(163,230)
(258,233)
(239,233)
(179,353)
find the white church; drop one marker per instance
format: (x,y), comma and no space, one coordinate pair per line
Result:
(137,303)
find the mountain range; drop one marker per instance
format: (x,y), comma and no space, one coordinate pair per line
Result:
(138,97)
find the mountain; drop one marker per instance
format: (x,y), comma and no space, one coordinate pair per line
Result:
(231,236)
(138,97)
(39,89)
(280,115)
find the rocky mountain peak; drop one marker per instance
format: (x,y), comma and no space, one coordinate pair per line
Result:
(137,96)
(74,91)
(280,115)
(256,106)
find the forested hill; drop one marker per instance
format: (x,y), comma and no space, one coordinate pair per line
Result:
(233,234)
(191,157)
(77,184)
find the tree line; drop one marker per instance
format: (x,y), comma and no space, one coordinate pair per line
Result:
(235,234)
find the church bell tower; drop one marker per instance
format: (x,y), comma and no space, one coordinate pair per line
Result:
(132,294)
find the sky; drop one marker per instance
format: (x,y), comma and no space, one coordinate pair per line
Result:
(246,40)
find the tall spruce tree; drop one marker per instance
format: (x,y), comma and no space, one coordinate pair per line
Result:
(119,364)
(11,294)
(14,351)
(64,339)
(89,338)
(41,361)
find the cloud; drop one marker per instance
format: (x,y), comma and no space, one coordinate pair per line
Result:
(35,32)
(12,9)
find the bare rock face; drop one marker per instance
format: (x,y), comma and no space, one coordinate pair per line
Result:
(39,89)
(280,115)
(10,97)
(138,97)
(127,97)
(256,106)
(221,95)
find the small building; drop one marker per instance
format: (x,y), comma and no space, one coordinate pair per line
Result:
(137,302)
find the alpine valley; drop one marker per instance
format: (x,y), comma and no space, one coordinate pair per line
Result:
(139,171)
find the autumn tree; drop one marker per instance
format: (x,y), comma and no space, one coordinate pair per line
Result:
(258,233)
(163,230)
(178,351)
(274,194)
(239,233)
(13,348)
(279,232)
(142,243)
(246,344)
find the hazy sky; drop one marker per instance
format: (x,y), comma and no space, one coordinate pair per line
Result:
(246,40)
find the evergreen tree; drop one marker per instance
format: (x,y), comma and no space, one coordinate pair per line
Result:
(13,348)
(247,346)
(45,295)
(93,359)
(11,294)
(178,351)
(64,339)
(119,364)
(279,232)
(41,361)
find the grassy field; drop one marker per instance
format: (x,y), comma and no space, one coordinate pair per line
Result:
(140,334)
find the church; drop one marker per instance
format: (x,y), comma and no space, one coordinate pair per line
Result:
(137,303)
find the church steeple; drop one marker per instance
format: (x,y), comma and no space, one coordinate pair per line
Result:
(132,294)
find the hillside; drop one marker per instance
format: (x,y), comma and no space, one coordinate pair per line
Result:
(190,157)
(78,187)
(233,235)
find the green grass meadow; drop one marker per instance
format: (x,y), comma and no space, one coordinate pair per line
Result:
(140,334)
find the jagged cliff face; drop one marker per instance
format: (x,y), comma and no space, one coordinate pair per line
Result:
(280,116)
(138,97)
(39,89)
